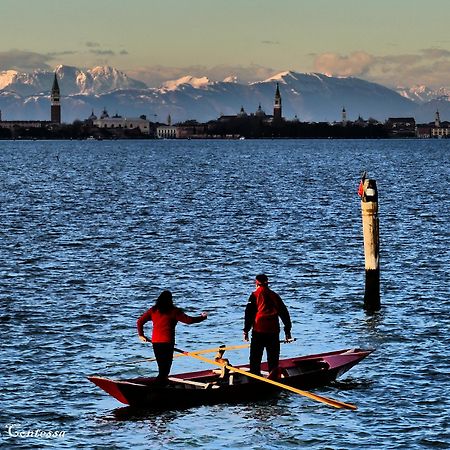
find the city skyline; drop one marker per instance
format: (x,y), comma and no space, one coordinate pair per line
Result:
(391,43)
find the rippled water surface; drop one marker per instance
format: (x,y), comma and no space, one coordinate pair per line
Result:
(91,232)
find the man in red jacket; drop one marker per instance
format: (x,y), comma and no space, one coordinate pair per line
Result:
(262,313)
(165,316)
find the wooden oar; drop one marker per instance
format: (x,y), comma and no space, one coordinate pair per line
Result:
(319,398)
(216,349)
(198,352)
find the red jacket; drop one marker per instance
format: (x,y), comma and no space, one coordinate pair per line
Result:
(263,309)
(164,324)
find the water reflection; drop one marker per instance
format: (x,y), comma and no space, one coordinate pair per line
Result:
(374,319)
(129,413)
(350,384)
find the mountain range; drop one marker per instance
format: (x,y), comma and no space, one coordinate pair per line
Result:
(308,96)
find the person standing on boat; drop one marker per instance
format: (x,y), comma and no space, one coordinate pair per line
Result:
(165,316)
(262,314)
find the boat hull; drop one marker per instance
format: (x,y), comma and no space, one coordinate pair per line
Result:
(213,386)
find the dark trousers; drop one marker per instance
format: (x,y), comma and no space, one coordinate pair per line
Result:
(259,342)
(164,356)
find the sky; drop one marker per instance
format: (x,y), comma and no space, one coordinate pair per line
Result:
(392,42)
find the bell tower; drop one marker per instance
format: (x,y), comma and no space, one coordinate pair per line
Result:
(55,114)
(277,106)
(437,120)
(344,117)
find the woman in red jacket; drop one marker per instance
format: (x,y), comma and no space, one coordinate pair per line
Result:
(165,316)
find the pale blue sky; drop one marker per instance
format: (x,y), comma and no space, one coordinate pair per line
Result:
(390,41)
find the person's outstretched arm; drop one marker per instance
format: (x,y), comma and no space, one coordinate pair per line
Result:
(182,317)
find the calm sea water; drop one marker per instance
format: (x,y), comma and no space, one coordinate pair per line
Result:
(91,232)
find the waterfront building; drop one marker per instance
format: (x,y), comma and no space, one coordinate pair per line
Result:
(423,130)
(192,130)
(260,113)
(443,131)
(91,118)
(401,126)
(435,129)
(440,129)
(122,123)
(166,132)
(104,114)
(360,122)
(242,113)
(24,124)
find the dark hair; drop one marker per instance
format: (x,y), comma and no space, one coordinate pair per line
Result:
(262,279)
(164,302)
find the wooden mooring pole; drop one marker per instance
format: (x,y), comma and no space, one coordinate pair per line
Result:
(369,208)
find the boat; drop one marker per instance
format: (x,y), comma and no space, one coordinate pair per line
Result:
(222,385)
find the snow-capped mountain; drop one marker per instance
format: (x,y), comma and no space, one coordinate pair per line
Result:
(282,77)
(71,81)
(231,79)
(105,79)
(309,96)
(198,83)
(423,94)
(8,77)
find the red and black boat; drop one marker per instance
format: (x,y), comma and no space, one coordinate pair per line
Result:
(225,386)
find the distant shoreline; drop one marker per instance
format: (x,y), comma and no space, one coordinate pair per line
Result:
(225,139)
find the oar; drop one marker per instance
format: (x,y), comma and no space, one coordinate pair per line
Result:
(319,398)
(216,349)
(208,350)
(198,352)
(229,347)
